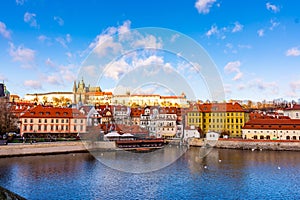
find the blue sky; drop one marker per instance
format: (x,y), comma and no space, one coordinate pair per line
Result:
(255,44)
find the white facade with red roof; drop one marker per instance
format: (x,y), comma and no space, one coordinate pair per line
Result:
(293,112)
(274,129)
(43,121)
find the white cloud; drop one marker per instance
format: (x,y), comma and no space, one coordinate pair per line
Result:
(116,39)
(149,41)
(59,20)
(33,84)
(261,32)
(21,53)
(67,72)
(20,2)
(64,41)
(68,38)
(105,44)
(234,67)
(203,6)
(43,38)
(54,80)
(3,31)
(49,62)
(69,54)
(116,69)
(212,31)
(293,52)
(274,24)
(237,27)
(30,19)
(125,27)
(90,70)
(261,85)
(272,7)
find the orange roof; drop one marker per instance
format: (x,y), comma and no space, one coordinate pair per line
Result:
(136,112)
(293,107)
(52,112)
(171,97)
(99,93)
(282,124)
(221,107)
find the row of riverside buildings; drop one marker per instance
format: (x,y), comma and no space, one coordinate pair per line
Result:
(149,116)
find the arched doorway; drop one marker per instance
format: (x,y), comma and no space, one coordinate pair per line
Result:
(268,137)
(261,137)
(288,137)
(294,138)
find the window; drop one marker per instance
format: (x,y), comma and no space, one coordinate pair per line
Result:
(56,120)
(31,127)
(40,121)
(45,127)
(24,128)
(57,128)
(67,121)
(67,127)
(74,127)
(52,120)
(45,120)
(81,128)
(62,121)
(25,120)
(51,128)
(75,120)
(31,120)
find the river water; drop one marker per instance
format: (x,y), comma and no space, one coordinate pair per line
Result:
(221,174)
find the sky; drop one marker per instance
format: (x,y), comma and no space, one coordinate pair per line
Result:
(254,46)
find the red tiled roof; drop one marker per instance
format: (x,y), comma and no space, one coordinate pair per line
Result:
(136,112)
(168,110)
(221,107)
(282,124)
(294,107)
(52,112)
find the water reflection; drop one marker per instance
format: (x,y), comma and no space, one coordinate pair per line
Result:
(128,161)
(221,174)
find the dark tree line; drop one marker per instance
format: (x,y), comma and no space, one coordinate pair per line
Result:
(8,121)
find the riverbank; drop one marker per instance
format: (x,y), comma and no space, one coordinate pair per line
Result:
(28,149)
(274,145)
(48,148)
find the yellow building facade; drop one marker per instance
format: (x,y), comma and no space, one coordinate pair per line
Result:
(226,118)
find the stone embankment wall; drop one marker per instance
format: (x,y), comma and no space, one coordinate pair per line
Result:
(51,148)
(282,145)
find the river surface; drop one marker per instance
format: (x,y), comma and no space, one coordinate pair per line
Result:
(221,174)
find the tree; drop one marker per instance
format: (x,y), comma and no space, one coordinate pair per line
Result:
(8,121)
